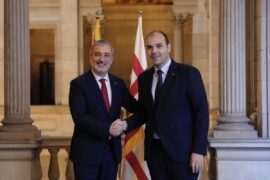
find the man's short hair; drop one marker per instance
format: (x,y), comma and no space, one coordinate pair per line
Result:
(101,42)
(159,32)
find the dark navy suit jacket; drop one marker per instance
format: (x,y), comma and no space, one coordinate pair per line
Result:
(181,114)
(92,121)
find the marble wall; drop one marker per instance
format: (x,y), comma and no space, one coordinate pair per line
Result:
(65,18)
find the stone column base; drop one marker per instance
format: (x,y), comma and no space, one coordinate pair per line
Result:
(19,133)
(247,134)
(16,160)
(242,159)
(231,130)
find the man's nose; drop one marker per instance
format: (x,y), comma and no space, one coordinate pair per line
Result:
(102,57)
(154,50)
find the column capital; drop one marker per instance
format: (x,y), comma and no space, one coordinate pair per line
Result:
(181,17)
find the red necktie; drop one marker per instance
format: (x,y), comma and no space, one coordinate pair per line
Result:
(105,94)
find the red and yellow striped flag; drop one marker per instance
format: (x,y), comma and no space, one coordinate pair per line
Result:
(134,166)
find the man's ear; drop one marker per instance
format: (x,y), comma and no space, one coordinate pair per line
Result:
(169,47)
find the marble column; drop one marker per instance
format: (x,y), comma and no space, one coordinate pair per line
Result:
(263,67)
(17,124)
(179,21)
(177,54)
(233,121)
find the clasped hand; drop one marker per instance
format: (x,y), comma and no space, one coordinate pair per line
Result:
(117,127)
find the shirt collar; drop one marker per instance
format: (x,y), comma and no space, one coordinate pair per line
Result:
(165,67)
(97,77)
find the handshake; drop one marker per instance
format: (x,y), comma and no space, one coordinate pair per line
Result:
(117,127)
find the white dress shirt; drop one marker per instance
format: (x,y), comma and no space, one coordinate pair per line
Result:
(164,70)
(108,85)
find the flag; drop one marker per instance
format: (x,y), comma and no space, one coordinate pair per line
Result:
(133,165)
(96,31)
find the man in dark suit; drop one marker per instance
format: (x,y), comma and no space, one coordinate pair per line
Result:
(95,100)
(174,107)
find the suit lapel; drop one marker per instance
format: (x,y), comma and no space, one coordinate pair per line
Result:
(114,87)
(148,86)
(170,77)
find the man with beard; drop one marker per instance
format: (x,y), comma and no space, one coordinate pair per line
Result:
(95,101)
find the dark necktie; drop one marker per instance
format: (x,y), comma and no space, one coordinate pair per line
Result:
(105,94)
(159,84)
(157,92)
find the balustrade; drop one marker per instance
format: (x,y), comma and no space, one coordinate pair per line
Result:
(53,144)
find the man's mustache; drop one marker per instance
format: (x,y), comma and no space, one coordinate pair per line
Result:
(100,62)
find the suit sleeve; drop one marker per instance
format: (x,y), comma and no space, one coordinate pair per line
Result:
(129,102)
(200,113)
(138,118)
(83,120)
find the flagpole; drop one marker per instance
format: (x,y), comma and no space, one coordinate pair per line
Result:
(133,164)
